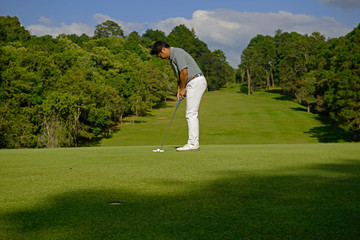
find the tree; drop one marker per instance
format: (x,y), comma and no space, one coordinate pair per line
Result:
(321,74)
(75,38)
(133,45)
(61,126)
(214,70)
(251,60)
(21,91)
(306,91)
(11,30)
(186,39)
(240,73)
(343,96)
(265,47)
(150,36)
(69,90)
(220,55)
(267,51)
(108,29)
(155,35)
(137,105)
(2,33)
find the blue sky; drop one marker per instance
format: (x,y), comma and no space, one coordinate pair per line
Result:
(222,24)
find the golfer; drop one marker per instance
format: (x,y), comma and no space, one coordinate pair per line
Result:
(191,83)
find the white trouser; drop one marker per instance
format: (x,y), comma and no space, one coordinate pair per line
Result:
(194,91)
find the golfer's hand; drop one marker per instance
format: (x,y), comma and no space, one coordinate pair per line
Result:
(181,93)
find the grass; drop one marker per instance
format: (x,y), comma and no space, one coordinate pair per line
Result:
(280,191)
(231,117)
(264,172)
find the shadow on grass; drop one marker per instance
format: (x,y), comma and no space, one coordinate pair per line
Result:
(128,120)
(165,104)
(284,98)
(243,89)
(300,109)
(323,203)
(329,132)
(96,142)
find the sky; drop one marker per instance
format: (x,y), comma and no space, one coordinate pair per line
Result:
(228,25)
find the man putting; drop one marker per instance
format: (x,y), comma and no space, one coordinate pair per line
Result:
(191,83)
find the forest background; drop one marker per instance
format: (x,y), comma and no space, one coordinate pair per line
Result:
(71,90)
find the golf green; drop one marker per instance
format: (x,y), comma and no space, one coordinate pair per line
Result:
(272,191)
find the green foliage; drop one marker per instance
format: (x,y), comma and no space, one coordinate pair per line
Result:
(79,40)
(306,90)
(265,56)
(133,44)
(150,36)
(62,92)
(213,64)
(11,30)
(65,91)
(184,38)
(69,90)
(321,74)
(108,29)
(214,69)
(343,96)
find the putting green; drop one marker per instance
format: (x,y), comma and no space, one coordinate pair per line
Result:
(276,191)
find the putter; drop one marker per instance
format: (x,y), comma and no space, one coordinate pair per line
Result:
(160,149)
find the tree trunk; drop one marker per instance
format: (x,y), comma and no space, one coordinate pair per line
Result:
(50,132)
(242,72)
(272,79)
(308,108)
(76,125)
(249,81)
(267,80)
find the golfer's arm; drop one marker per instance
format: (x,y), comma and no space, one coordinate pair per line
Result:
(183,78)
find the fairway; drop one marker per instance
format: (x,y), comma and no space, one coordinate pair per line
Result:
(282,191)
(230,117)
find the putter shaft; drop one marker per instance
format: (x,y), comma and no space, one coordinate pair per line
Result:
(170,122)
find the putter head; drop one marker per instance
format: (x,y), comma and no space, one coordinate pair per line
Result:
(158,150)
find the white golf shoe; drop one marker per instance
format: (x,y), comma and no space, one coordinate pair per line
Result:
(188,147)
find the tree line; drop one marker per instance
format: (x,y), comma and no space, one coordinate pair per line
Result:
(322,74)
(70,90)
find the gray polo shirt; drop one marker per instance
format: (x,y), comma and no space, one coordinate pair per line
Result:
(180,60)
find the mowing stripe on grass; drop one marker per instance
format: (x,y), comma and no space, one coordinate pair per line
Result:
(229,117)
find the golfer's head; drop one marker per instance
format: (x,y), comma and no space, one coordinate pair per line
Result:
(161,49)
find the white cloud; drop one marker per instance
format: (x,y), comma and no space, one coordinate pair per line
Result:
(45,20)
(224,29)
(231,30)
(100,18)
(349,4)
(80,28)
(168,24)
(127,27)
(74,28)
